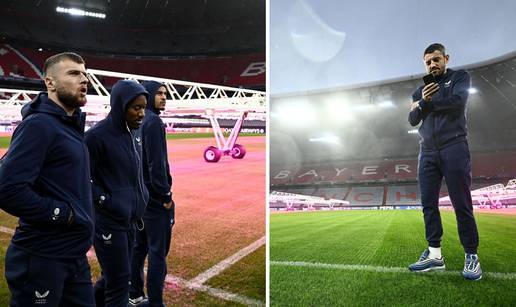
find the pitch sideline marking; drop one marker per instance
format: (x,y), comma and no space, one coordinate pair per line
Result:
(381,269)
(222,294)
(213,271)
(226,263)
(6,230)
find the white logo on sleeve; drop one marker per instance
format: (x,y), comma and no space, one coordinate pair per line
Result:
(56,214)
(41,297)
(107,239)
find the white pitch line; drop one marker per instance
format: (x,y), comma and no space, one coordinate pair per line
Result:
(224,264)
(6,230)
(381,269)
(222,294)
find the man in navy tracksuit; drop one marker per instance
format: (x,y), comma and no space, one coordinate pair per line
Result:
(119,193)
(154,239)
(441,105)
(45,181)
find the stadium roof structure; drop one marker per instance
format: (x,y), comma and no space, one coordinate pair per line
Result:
(138,27)
(187,98)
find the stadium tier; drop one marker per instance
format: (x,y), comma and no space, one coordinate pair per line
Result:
(239,70)
(492,195)
(15,65)
(485,165)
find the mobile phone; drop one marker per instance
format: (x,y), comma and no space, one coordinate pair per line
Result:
(429,79)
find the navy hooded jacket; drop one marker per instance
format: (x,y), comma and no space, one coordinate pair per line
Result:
(156,170)
(45,176)
(116,165)
(444,117)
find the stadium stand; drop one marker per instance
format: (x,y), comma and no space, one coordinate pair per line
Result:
(13,64)
(484,165)
(332,193)
(238,70)
(403,195)
(366,196)
(386,174)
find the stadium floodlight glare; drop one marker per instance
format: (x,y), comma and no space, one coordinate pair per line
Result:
(472,90)
(363,107)
(337,110)
(386,104)
(79,12)
(332,139)
(297,113)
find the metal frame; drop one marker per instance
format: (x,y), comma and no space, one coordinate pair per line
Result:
(291,199)
(491,196)
(187,98)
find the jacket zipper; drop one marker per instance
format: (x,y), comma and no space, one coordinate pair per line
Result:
(137,165)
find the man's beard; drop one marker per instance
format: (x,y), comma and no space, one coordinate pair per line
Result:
(160,106)
(69,99)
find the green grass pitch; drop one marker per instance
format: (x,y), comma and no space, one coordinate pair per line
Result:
(6,140)
(383,240)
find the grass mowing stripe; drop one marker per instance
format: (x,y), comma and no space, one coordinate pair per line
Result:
(173,136)
(6,140)
(380,269)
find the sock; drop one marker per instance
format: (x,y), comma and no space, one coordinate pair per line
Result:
(435,253)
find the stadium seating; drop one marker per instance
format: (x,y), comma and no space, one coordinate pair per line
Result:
(14,65)
(241,70)
(332,193)
(366,196)
(484,165)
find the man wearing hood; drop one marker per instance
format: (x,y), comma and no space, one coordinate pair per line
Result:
(45,182)
(154,239)
(119,193)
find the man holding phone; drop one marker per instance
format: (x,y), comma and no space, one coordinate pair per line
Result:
(441,107)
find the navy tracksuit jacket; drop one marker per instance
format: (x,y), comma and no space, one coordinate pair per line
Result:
(444,153)
(119,193)
(154,239)
(44,177)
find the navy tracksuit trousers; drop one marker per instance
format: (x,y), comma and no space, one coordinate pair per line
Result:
(454,164)
(113,249)
(154,241)
(41,281)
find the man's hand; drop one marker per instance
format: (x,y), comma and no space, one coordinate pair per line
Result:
(414,105)
(169,205)
(430,90)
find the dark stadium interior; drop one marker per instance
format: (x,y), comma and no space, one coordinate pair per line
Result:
(196,27)
(198,41)
(220,43)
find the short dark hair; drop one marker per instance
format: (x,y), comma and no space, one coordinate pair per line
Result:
(433,47)
(53,60)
